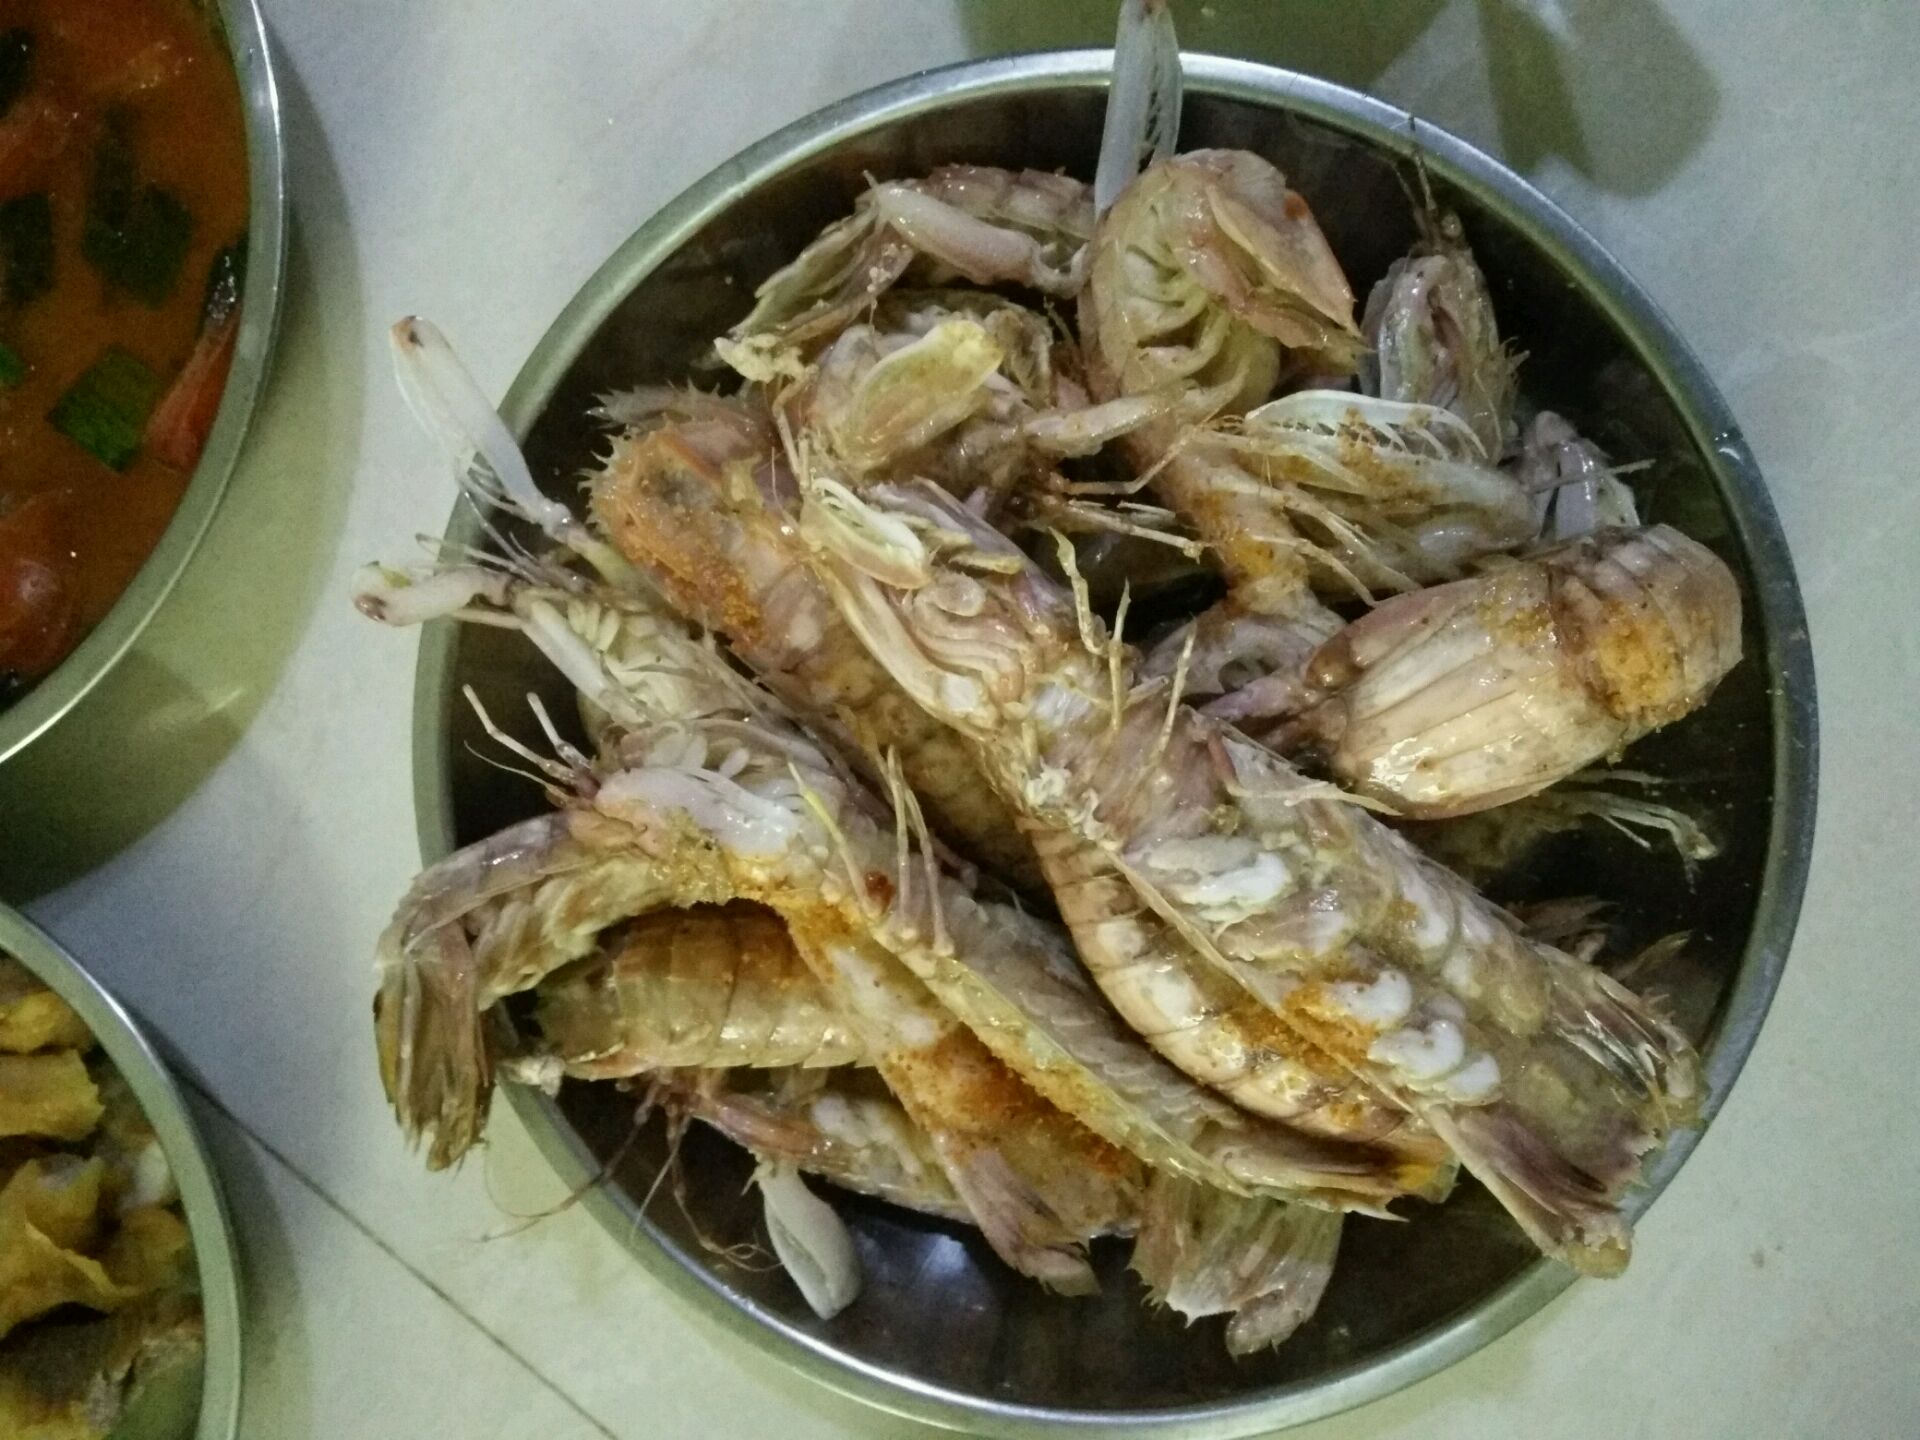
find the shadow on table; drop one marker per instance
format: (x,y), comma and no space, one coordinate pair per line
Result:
(136,747)
(273,1318)
(1611,87)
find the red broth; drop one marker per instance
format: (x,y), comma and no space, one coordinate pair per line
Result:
(123,211)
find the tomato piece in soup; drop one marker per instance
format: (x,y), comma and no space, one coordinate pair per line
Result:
(36,594)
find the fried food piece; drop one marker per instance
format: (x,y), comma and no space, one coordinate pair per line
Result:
(49,1095)
(59,1196)
(80,1381)
(37,1275)
(33,1018)
(149,1252)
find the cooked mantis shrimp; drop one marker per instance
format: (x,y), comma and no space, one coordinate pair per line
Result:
(696,504)
(973,391)
(1471,694)
(386,594)
(788,886)
(1546,1079)
(1433,336)
(1160,990)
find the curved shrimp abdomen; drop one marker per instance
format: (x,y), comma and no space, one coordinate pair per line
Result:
(709,987)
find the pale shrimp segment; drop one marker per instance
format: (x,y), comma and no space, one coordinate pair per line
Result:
(1204,271)
(1549,1081)
(1434,338)
(1468,695)
(988,226)
(711,987)
(1204,1252)
(1574,490)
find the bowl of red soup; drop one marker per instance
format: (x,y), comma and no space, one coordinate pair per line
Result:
(142,213)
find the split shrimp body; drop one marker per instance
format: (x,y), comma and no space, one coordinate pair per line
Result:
(987,226)
(1468,695)
(1549,1081)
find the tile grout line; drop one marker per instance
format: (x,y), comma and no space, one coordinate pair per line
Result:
(433,1287)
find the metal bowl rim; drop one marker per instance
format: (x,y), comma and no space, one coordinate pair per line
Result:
(1656,344)
(56,693)
(216,1254)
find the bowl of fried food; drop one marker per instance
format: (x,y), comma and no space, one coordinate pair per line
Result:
(119,1301)
(142,221)
(1134,713)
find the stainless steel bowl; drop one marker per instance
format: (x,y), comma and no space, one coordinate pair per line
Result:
(943,1333)
(200,1196)
(57,693)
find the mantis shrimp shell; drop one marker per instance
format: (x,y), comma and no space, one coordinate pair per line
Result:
(1468,695)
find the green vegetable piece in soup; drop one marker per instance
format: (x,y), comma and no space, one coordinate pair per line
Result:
(13,369)
(26,248)
(105,411)
(16,65)
(136,235)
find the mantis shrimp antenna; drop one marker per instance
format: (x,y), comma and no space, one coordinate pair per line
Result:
(1143,107)
(452,408)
